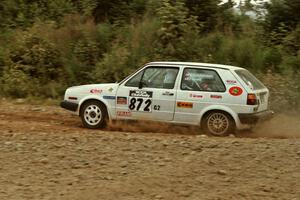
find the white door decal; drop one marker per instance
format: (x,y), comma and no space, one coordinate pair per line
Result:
(140,100)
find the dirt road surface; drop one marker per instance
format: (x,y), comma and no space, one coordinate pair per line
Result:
(46,154)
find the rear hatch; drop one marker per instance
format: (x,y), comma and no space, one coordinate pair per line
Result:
(254,86)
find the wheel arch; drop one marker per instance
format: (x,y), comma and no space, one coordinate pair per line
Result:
(102,101)
(223,109)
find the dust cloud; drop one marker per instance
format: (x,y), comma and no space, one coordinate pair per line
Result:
(152,127)
(281,126)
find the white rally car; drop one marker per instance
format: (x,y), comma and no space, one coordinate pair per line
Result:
(219,98)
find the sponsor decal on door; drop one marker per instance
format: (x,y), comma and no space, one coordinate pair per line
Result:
(140,100)
(196,96)
(182,104)
(122,100)
(216,97)
(124,113)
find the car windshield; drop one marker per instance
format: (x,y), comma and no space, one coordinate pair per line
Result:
(249,79)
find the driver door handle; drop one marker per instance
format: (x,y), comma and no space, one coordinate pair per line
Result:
(168,93)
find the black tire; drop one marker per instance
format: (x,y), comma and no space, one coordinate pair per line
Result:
(93,114)
(218,123)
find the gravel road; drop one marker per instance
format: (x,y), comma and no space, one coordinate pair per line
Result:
(46,154)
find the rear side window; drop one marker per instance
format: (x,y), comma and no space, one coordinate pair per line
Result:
(201,80)
(249,79)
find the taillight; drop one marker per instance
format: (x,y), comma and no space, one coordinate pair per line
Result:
(251,99)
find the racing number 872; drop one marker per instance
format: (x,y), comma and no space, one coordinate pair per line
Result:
(140,104)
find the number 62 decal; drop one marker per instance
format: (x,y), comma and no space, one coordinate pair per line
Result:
(140,104)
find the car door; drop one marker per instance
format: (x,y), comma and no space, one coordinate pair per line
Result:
(199,87)
(149,94)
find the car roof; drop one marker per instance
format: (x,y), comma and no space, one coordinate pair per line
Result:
(195,64)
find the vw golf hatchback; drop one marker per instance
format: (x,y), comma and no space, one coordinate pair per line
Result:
(218,98)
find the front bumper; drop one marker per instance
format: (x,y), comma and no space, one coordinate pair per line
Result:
(69,105)
(253,118)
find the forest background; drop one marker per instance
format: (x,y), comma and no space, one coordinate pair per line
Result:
(47,46)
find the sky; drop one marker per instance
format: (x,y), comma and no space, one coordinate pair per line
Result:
(238,1)
(249,13)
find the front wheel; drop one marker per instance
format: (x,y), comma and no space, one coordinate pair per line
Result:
(218,123)
(93,115)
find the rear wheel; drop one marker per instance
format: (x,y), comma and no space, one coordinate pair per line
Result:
(218,123)
(93,114)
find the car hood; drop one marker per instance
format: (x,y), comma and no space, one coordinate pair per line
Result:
(96,89)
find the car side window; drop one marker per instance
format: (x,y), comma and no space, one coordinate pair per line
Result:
(135,80)
(160,77)
(155,77)
(202,80)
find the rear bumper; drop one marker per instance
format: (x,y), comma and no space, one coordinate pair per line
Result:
(253,118)
(69,105)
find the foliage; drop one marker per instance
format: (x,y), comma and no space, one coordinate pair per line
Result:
(34,63)
(2,60)
(282,17)
(16,83)
(136,45)
(205,11)
(284,90)
(109,68)
(116,12)
(23,13)
(291,42)
(175,29)
(46,46)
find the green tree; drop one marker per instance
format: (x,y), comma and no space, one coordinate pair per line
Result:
(23,13)
(35,63)
(114,11)
(17,13)
(282,17)
(291,42)
(246,6)
(2,60)
(206,11)
(176,24)
(228,20)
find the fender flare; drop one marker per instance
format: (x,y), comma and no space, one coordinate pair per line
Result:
(97,98)
(221,108)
